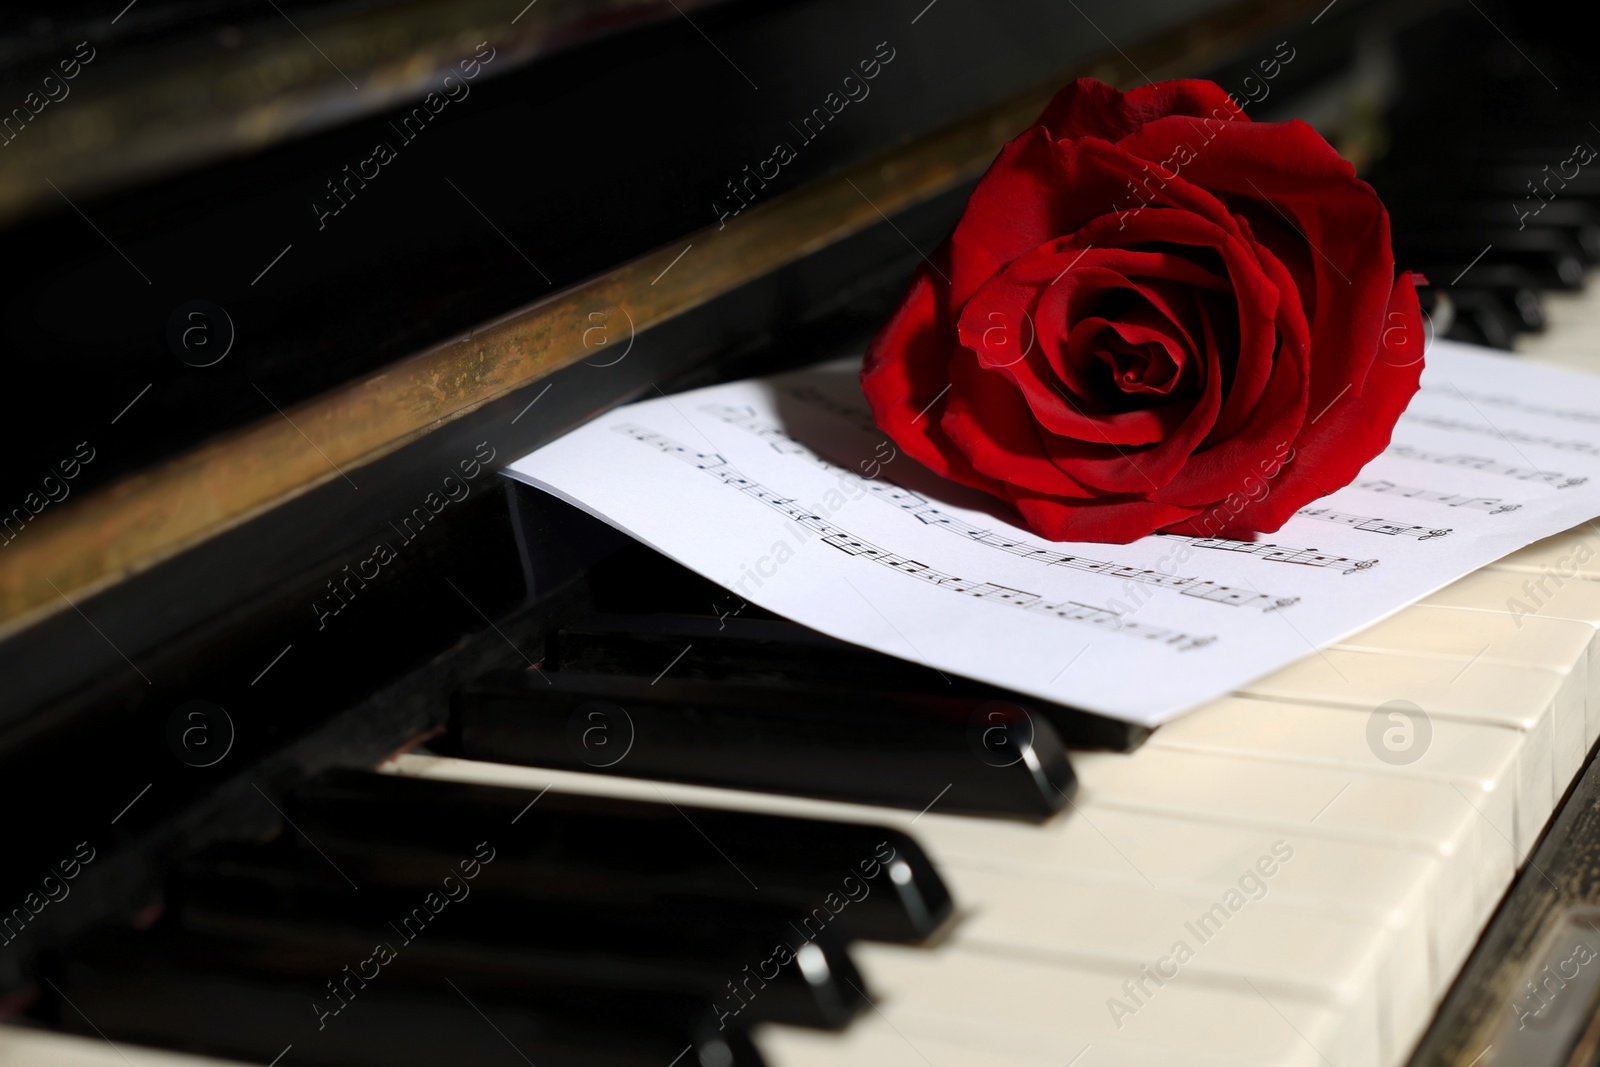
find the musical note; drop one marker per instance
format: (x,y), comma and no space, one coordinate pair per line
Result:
(1452,392)
(1372,525)
(1487,465)
(846,542)
(816,398)
(1306,557)
(1484,430)
(1492,505)
(926,513)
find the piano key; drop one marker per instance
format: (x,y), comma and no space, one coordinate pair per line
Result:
(250,1000)
(565,844)
(1563,556)
(1482,318)
(1478,761)
(694,945)
(875,1042)
(780,652)
(22,1046)
(1521,597)
(1552,257)
(1574,328)
(1235,938)
(1545,707)
(1311,801)
(1577,219)
(1398,893)
(1559,645)
(1030,1008)
(874,747)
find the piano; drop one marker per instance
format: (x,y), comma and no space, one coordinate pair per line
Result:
(292,281)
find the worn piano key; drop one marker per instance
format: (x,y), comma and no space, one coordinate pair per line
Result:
(314,1003)
(681,944)
(860,880)
(1543,706)
(824,740)
(735,649)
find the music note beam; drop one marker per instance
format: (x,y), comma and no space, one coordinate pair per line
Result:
(1372,525)
(925,512)
(1491,504)
(1304,557)
(842,540)
(1488,466)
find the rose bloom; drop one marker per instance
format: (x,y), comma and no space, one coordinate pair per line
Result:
(1154,314)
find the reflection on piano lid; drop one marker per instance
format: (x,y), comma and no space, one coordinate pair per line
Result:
(611,825)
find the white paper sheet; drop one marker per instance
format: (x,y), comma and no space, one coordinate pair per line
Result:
(782,490)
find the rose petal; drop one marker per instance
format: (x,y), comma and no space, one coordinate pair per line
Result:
(1112,520)
(1091,108)
(1338,440)
(905,378)
(1303,202)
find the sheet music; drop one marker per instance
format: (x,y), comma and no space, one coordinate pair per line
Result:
(782,490)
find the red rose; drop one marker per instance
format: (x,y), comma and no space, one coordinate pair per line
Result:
(1154,314)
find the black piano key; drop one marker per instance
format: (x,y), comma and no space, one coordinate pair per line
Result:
(1577,219)
(298,1004)
(778,652)
(870,747)
(1551,256)
(703,946)
(858,880)
(1481,319)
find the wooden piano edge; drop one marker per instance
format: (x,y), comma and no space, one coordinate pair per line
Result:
(131,526)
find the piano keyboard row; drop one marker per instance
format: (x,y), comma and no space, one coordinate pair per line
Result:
(1254,885)
(1352,888)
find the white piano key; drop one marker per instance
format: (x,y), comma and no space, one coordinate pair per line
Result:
(1376,885)
(1477,760)
(1571,337)
(1549,714)
(1306,801)
(1570,554)
(1520,596)
(1559,645)
(871,1041)
(1236,936)
(1030,1008)
(22,1046)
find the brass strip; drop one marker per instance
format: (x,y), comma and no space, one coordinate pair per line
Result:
(148,517)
